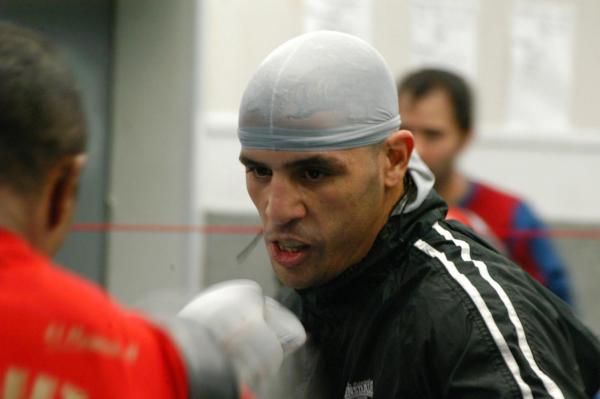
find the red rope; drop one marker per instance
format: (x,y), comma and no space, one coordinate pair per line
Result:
(591,233)
(165,228)
(553,233)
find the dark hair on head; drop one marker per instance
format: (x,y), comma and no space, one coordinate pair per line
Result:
(422,82)
(41,115)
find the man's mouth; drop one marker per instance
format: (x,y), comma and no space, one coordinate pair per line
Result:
(291,246)
(289,253)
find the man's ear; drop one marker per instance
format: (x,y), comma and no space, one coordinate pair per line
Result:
(398,146)
(64,181)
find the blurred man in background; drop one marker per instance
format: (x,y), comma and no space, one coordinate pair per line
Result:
(63,337)
(437,107)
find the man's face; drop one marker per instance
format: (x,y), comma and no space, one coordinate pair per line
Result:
(438,139)
(320,211)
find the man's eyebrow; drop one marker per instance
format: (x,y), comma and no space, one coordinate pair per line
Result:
(433,131)
(249,162)
(317,161)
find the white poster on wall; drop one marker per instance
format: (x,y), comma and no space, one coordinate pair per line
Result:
(444,34)
(349,16)
(541,66)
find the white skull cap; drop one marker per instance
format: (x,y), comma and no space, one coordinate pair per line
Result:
(319,91)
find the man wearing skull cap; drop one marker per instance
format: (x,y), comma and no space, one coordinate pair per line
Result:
(397,302)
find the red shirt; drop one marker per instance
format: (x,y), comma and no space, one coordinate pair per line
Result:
(523,234)
(62,337)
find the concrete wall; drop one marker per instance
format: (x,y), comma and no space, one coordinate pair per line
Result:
(153,148)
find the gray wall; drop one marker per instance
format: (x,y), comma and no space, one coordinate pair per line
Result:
(152,149)
(222,250)
(582,257)
(83,32)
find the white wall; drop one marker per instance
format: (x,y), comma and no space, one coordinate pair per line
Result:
(556,173)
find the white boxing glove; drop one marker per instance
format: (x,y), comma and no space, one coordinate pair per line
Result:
(253,335)
(285,324)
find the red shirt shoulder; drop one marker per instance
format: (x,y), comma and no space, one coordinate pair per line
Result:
(495,207)
(66,335)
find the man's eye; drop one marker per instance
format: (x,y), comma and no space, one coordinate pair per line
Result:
(432,134)
(313,174)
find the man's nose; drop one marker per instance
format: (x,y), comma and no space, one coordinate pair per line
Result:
(284,202)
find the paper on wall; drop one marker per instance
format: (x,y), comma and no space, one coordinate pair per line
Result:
(444,34)
(541,66)
(349,16)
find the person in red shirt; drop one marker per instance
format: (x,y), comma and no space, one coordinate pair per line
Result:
(477,224)
(62,337)
(437,106)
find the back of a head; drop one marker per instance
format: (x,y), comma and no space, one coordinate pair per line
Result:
(423,82)
(319,91)
(42,118)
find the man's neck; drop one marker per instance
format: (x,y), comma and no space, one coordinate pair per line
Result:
(452,187)
(15,213)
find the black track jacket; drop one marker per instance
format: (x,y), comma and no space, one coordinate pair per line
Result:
(434,312)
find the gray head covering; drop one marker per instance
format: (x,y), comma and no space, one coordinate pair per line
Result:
(324,91)
(319,91)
